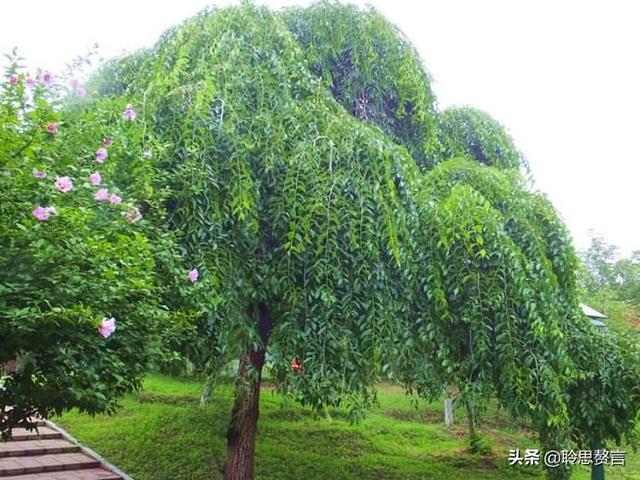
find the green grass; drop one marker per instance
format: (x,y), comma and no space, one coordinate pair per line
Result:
(162,434)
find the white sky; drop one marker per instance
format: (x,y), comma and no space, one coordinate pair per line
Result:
(563,76)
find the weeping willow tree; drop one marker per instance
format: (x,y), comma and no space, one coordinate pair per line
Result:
(289,205)
(496,291)
(498,299)
(291,153)
(466,133)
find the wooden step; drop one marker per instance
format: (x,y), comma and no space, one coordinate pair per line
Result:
(36,447)
(87,474)
(48,453)
(45,463)
(41,433)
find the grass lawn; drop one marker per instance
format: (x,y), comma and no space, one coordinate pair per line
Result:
(161,434)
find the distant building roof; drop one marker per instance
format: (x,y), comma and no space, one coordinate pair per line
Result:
(590,312)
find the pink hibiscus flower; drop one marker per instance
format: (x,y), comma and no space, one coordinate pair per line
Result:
(107,327)
(102,195)
(101,155)
(129,113)
(47,79)
(95,178)
(43,213)
(64,184)
(193,275)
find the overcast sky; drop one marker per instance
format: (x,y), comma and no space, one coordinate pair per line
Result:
(563,76)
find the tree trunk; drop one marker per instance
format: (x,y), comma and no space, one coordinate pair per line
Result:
(448,412)
(241,437)
(471,419)
(206,392)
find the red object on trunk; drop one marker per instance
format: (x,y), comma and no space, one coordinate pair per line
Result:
(296,365)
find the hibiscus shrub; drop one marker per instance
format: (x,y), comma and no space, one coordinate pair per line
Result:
(79,308)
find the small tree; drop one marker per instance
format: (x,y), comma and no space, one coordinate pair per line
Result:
(604,398)
(78,307)
(493,294)
(611,283)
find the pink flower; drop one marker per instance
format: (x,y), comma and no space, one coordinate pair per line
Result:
(102,195)
(41,213)
(95,178)
(107,327)
(13,79)
(106,141)
(64,184)
(147,154)
(52,128)
(101,155)
(39,173)
(47,79)
(30,82)
(133,215)
(193,275)
(129,113)
(114,199)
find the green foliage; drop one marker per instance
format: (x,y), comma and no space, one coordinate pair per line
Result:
(298,166)
(497,288)
(473,134)
(611,284)
(287,192)
(371,69)
(279,196)
(604,399)
(600,265)
(61,276)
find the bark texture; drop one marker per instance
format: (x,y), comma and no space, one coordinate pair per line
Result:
(241,437)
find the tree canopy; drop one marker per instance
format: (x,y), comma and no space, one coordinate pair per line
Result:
(371,69)
(471,133)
